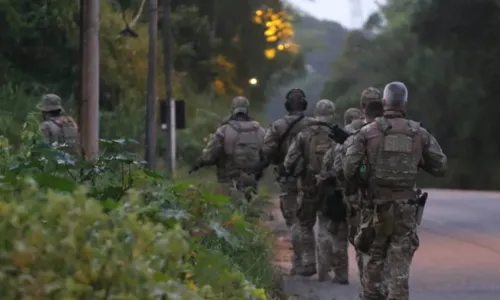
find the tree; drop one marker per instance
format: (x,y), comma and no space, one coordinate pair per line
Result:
(446,53)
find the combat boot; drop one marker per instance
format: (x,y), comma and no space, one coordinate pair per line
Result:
(340,280)
(306,271)
(323,273)
(296,265)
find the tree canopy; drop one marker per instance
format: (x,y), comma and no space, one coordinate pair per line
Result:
(447,54)
(217,45)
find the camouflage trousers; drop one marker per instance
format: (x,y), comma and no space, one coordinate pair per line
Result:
(353,218)
(288,199)
(392,251)
(236,189)
(332,249)
(303,239)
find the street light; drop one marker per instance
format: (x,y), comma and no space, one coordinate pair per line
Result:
(253,81)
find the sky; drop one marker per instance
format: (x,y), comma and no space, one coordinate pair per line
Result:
(337,10)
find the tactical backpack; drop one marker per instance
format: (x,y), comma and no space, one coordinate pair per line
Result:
(318,145)
(66,133)
(243,144)
(397,157)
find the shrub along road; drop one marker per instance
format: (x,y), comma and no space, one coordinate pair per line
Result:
(458,258)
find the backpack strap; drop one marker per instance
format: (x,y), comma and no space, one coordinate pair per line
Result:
(384,126)
(288,130)
(235,125)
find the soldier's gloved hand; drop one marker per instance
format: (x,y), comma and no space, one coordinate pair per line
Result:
(319,179)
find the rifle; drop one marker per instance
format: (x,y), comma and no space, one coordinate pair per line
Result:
(337,134)
(198,165)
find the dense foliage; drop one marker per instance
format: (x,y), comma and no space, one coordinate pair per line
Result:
(112,230)
(447,54)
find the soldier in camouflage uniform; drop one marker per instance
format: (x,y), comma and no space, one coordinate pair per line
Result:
(235,149)
(351,115)
(352,192)
(332,240)
(395,149)
(304,159)
(56,127)
(276,143)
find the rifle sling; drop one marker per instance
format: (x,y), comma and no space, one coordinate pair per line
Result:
(288,130)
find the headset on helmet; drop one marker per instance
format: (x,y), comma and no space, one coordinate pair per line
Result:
(287,102)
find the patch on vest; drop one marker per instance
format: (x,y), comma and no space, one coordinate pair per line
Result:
(398,143)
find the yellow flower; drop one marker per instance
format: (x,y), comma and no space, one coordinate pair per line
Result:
(260,293)
(191,285)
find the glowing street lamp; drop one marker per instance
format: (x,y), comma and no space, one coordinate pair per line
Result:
(253,81)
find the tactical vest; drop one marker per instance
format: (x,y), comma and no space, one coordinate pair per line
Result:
(242,144)
(399,151)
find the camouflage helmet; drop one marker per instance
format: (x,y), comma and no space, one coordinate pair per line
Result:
(49,102)
(239,104)
(352,114)
(325,110)
(371,94)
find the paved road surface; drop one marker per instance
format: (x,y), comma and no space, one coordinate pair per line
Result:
(458,258)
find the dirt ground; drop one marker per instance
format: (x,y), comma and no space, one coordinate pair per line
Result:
(301,288)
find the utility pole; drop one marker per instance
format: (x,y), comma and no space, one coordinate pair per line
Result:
(167,68)
(82,92)
(151,137)
(89,85)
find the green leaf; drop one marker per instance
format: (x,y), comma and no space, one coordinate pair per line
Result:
(112,192)
(55,182)
(153,175)
(110,204)
(215,199)
(180,186)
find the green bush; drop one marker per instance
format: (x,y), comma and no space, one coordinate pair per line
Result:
(111,229)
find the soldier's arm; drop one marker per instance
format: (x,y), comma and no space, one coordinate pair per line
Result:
(355,154)
(262,134)
(327,161)
(337,161)
(434,160)
(214,148)
(270,148)
(295,152)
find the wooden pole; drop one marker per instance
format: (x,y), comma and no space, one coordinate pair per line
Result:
(167,68)
(151,137)
(90,79)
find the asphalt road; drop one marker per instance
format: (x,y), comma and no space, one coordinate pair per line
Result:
(458,257)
